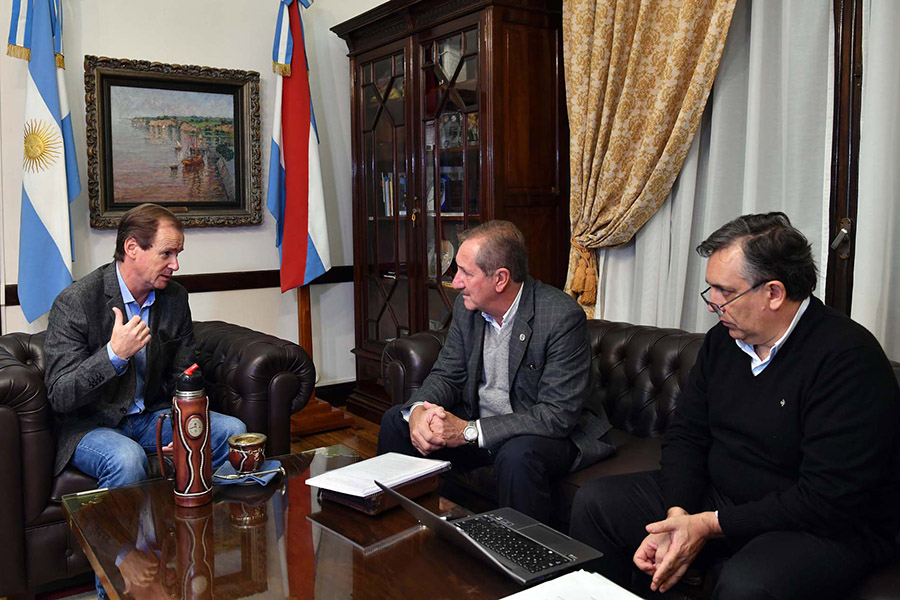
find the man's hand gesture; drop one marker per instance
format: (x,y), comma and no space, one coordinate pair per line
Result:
(128,338)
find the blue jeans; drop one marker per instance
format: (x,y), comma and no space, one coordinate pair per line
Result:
(118,456)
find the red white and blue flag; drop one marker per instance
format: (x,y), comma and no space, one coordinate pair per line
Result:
(50,172)
(295,196)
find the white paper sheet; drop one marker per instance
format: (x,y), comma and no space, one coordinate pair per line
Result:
(577,585)
(391,469)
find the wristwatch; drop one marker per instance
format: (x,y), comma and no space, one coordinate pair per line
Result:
(470,433)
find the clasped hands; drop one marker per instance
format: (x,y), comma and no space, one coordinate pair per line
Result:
(673,544)
(432,428)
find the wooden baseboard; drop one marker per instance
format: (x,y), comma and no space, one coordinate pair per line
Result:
(318,416)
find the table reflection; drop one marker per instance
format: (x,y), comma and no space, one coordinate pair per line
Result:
(273,541)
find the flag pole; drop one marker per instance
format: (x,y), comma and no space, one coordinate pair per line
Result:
(296,195)
(304,319)
(318,416)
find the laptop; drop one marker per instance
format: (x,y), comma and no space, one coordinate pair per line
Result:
(513,543)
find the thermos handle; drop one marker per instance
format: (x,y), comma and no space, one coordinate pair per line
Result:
(159,454)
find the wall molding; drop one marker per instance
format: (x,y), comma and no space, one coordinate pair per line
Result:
(228,282)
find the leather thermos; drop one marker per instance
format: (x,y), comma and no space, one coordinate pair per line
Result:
(192,454)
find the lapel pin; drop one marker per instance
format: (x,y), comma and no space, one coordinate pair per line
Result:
(521,337)
(782,402)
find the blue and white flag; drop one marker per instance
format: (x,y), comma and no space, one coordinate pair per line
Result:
(296,197)
(50,171)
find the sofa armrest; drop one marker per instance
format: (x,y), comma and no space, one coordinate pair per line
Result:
(26,446)
(256,377)
(22,391)
(406,362)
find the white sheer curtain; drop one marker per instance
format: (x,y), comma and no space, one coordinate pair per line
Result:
(876,271)
(764,144)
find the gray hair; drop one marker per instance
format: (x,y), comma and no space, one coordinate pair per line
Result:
(502,246)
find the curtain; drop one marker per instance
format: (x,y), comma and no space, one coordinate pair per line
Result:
(764,144)
(638,74)
(876,272)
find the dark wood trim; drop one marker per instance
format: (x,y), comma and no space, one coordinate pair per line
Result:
(848,70)
(399,19)
(228,282)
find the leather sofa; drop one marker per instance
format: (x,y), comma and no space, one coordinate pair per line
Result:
(258,378)
(637,374)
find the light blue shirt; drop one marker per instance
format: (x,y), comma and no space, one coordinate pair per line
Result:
(757,364)
(139,359)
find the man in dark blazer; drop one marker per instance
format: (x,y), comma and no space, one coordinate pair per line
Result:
(511,380)
(117,338)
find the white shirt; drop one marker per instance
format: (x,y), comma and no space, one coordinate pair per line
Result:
(508,315)
(757,364)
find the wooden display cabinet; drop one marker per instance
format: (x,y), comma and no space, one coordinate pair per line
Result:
(458,117)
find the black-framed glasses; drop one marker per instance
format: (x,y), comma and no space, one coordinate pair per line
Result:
(718,308)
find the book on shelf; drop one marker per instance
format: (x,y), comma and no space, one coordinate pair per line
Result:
(387,193)
(401,184)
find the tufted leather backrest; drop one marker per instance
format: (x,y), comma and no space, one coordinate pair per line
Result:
(638,372)
(258,378)
(27,348)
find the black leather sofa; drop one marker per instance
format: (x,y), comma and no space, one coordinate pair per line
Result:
(637,374)
(258,378)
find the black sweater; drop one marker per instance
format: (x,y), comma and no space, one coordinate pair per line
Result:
(809,444)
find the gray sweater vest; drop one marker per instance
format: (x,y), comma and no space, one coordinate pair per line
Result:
(493,391)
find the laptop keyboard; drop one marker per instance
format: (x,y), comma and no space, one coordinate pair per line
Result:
(490,532)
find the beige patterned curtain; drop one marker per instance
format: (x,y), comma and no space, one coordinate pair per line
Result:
(638,74)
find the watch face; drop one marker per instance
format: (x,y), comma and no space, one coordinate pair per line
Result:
(470,433)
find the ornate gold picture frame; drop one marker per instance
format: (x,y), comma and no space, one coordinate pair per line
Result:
(183,136)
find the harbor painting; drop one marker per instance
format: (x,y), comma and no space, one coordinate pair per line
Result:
(183,136)
(172,146)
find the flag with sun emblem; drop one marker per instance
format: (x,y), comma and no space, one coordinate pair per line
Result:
(50,172)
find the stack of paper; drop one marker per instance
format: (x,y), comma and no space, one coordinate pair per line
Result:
(391,469)
(578,585)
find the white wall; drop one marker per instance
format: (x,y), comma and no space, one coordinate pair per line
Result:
(235,34)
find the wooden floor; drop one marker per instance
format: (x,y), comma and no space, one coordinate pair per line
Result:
(362,436)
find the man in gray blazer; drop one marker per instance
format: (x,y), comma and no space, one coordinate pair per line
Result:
(509,385)
(117,339)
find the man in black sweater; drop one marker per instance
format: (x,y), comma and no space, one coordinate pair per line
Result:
(781,467)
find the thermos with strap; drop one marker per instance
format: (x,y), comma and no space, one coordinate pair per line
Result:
(192,453)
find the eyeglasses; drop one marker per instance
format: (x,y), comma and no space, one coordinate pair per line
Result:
(718,308)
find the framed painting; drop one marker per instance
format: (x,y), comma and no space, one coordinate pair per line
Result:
(182,136)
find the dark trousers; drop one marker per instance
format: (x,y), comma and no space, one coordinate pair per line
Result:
(525,466)
(610,514)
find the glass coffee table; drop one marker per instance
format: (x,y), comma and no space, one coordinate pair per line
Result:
(273,541)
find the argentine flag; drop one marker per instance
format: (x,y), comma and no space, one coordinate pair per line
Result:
(50,172)
(295,196)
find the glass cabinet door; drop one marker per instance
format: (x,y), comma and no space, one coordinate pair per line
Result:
(452,160)
(385,173)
